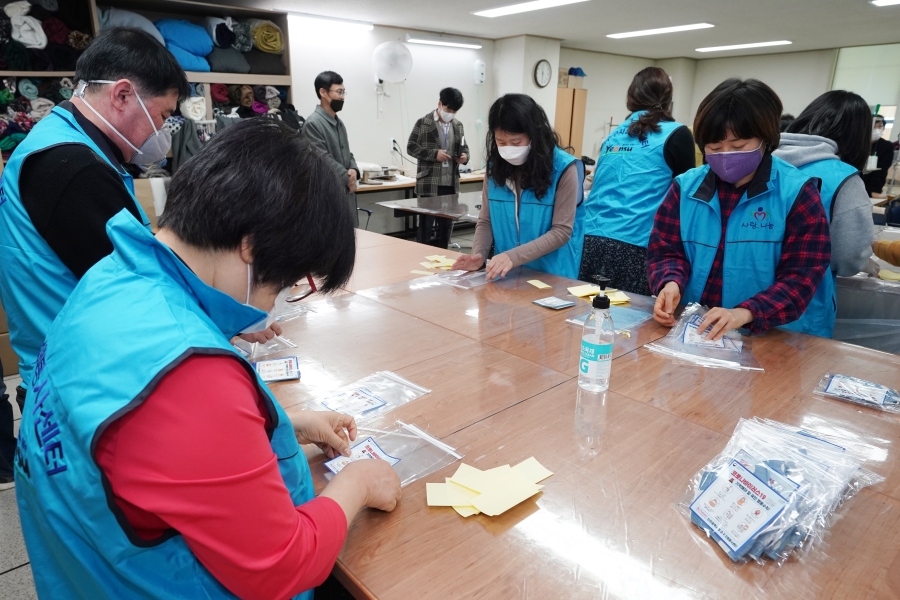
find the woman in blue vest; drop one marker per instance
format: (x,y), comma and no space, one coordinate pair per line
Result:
(830,140)
(138,362)
(531,209)
(745,234)
(637,163)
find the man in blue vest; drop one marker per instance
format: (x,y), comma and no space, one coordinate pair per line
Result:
(69,177)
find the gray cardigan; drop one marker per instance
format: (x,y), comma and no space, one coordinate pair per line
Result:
(329,134)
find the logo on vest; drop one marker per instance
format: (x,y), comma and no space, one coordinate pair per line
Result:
(2,196)
(760,220)
(610,149)
(45,426)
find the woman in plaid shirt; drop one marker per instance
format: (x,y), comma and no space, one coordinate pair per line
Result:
(769,213)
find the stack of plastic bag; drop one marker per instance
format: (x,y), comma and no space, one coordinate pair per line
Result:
(686,343)
(859,391)
(370,397)
(773,490)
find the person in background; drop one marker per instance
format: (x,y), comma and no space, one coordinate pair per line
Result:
(769,213)
(786,119)
(160,465)
(324,128)
(636,166)
(532,205)
(830,141)
(438,142)
(66,179)
(882,149)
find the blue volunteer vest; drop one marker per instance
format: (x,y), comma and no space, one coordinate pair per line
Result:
(34,283)
(630,182)
(513,228)
(133,317)
(753,236)
(819,317)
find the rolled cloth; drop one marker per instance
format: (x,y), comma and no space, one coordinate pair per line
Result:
(67,83)
(186,36)
(116,17)
(28,89)
(266,36)
(6,97)
(28,31)
(5,29)
(246,96)
(220,31)
(48,5)
(11,141)
(55,30)
(15,55)
(259,93)
(273,103)
(219,92)
(260,108)
(265,64)
(66,93)
(194,108)
(187,60)
(19,105)
(271,92)
(63,56)
(234,94)
(40,59)
(242,40)
(17,9)
(40,108)
(50,90)
(227,60)
(887,251)
(79,40)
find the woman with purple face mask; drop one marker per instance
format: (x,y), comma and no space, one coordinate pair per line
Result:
(746,233)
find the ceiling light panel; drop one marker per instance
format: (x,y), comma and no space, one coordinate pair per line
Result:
(677,28)
(743,46)
(524,7)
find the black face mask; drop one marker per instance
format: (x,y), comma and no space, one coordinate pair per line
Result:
(337,105)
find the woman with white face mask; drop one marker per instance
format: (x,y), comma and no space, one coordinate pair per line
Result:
(532,203)
(745,234)
(883,150)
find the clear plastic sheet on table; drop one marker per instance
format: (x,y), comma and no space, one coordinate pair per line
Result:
(370,397)
(254,351)
(858,391)
(868,313)
(624,318)
(685,344)
(772,492)
(294,310)
(417,454)
(465,280)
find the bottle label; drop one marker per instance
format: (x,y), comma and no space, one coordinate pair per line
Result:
(596,359)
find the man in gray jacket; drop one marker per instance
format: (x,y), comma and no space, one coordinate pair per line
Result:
(326,130)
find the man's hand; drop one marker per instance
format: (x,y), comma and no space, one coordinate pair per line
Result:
(723,320)
(351,180)
(462,158)
(666,301)
(468,262)
(261,337)
(500,265)
(325,429)
(443,156)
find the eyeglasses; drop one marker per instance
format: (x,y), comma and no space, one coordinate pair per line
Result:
(339,93)
(306,290)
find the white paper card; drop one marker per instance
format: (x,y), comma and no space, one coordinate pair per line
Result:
(353,402)
(554,303)
(694,337)
(366,449)
(279,369)
(848,388)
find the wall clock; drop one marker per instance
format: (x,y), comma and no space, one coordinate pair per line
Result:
(543,73)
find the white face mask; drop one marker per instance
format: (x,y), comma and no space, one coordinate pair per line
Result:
(514,155)
(877,133)
(277,308)
(446,117)
(154,148)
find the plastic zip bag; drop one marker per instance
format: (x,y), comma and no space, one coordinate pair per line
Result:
(370,397)
(686,344)
(772,491)
(412,452)
(463,279)
(859,391)
(293,311)
(255,350)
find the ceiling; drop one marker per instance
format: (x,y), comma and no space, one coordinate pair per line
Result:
(809,24)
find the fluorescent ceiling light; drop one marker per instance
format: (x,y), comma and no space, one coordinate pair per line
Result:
(742,46)
(442,41)
(885,2)
(629,34)
(524,7)
(313,21)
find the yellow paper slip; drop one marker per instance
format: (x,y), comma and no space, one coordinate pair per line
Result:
(422,272)
(888,275)
(533,470)
(466,511)
(427,265)
(505,491)
(448,494)
(618,297)
(539,284)
(584,290)
(436,257)
(476,479)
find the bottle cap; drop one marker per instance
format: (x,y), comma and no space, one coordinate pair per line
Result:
(600,301)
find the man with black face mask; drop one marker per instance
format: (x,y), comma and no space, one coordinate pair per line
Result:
(326,130)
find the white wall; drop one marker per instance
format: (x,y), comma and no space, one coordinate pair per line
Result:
(797,77)
(683,72)
(514,62)
(873,72)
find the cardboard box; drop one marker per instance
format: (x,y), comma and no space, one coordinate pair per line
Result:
(575,82)
(4,326)
(563,78)
(8,357)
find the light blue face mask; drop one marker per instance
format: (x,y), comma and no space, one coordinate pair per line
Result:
(277,308)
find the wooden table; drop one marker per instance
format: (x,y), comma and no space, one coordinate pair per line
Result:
(389,261)
(502,373)
(409,183)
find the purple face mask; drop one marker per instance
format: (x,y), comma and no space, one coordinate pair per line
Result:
(734,166)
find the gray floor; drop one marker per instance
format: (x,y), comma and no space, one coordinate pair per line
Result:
(15,571)
(464,239)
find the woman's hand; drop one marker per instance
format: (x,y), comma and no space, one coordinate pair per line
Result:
(500,265)
(468,262)
(666,302)
(325,429)
(263,336)
(723,320)
(380,481)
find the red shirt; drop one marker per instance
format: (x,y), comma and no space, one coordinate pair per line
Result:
(194,457)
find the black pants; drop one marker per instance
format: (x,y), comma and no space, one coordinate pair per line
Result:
(624,264)
(435,231)
(7,439)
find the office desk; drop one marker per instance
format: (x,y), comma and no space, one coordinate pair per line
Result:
(437,214)
(408,184)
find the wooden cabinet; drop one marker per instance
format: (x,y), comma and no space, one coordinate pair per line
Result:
(571,105)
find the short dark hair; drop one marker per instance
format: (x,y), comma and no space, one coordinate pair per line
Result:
(452,98)
(786,119)
(749,108)
(134,54)
(518,113)
(258,178)
(843,117)
(325,80)
(650,90)
(877,117)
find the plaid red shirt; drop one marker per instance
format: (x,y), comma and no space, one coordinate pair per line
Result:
(805,254)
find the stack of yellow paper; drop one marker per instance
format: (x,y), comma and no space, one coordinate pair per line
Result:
(539,284)
(438,261)
(471,491)
(889,275)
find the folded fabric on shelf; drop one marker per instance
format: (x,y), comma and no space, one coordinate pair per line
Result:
(55,30)
(17,9)
(23,120)
(260,108)
(40,108)
(18,105)
(245,112)
(74,14)
(3,125)
(266,36)
(28,31)
(188,60)
(79,40)
(234,94)
(40,59)
(15,55)
(194,108)
(227,60)
(116,17)
(273,103)
(11,141)
(265,64)
(219,30)
(63,56)
(66,93)
(259,93)
(6,96)
(5,29)
(185,144)
(50,90)
(242,40)
(271,92)
(185,35)
(219,92)
(246,96)
(67,83)
(48,5)
(28,89)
